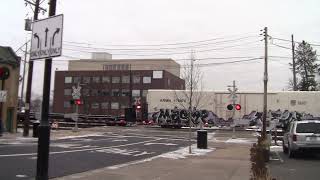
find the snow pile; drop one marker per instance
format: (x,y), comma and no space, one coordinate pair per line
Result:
(276,148)
(240,141)
(184,152)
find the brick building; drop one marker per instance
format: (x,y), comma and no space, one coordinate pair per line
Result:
(105,84)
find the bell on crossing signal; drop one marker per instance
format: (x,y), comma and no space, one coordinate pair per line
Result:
(230,107)
(238,107)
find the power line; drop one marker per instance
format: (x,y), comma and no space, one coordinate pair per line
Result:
(163,44)
(173,53)
(160,48)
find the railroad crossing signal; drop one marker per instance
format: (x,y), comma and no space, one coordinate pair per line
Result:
(235,106)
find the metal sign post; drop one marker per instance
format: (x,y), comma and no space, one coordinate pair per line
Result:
(234,98)
(76,94)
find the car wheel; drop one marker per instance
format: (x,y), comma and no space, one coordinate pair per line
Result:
(285,149)
(291,152)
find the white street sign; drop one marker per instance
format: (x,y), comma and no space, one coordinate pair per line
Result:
(3,96)
(46,38)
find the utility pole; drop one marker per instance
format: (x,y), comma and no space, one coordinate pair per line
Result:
(293,65)
(24,74)
(29,80)
(265,85)
(44,127)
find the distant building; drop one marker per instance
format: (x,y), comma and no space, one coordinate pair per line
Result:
(105,83)
(8,109)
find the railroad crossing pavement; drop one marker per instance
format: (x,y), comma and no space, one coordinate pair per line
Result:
(305,166)
(118,148)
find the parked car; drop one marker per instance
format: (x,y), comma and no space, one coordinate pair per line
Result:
(111,122)
(301,136)
(121,121)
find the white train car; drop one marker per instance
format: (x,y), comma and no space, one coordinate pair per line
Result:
(217,101)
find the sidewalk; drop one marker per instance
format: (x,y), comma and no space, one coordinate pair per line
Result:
(226,162)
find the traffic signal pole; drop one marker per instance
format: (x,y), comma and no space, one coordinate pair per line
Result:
(44,127)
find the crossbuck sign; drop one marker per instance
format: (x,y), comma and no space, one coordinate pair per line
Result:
(76,92)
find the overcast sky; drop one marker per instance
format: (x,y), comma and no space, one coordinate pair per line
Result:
(93,24)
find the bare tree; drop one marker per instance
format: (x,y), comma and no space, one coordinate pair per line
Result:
(193,94)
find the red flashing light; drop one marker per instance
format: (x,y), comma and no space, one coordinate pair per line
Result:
(77,102)
(238,107)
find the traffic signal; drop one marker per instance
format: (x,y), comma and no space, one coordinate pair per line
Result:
(238,107)
(76,102)
(138,108)
(4,73)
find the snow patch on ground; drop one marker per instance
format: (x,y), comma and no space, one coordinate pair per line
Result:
(80,136)
(184,152)
(178,154)
(276,148)
(240,141)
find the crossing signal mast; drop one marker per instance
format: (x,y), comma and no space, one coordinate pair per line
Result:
(234,97)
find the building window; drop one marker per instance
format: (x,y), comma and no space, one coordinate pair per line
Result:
(105,79)
(96,79)
(86,80)
(67,92)
(85,92)
(147,80)
(95,105)
(123,106)
(115,79)
(115,92)
(94,92)
(105,92)
(125,79)
(144,93)
(105,105)
(136,79)
(66,104)
(125,92)
(114,105)
(157,74)
(76,80)
(169,82)
(67,80)
(135,93)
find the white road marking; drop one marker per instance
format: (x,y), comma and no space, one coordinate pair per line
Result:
(21,176)
(81,150)
(167,144)
(143,153)
(119,140)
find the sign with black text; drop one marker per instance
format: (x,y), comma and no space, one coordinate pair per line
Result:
(46,41)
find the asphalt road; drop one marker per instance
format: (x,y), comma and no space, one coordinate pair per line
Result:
(73,155)
(304,166)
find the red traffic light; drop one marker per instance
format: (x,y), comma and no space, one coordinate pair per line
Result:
(4,73)
(77,102)
(238,107)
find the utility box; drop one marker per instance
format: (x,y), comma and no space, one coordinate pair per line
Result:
(202,139)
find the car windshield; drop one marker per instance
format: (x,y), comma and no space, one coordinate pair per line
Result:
(308,128)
